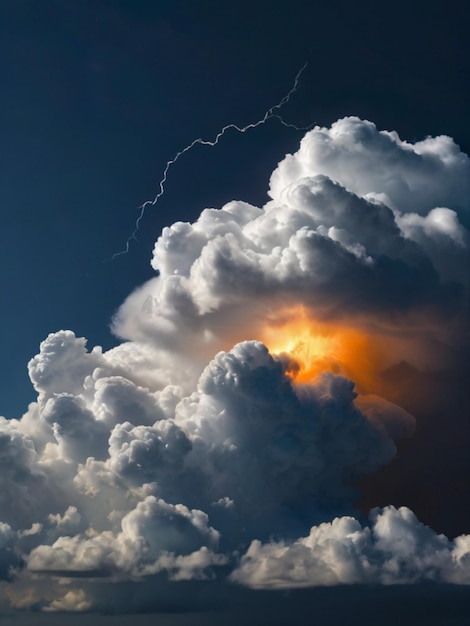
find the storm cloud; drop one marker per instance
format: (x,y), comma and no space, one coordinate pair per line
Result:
(197,448)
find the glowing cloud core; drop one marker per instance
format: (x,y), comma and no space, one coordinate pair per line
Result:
(314,347)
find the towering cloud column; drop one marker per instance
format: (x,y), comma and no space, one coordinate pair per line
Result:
(245,399)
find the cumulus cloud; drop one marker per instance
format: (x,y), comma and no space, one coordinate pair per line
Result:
(395,549)
(193,438)
(73,600)
(413,177)
(141,500)
(362,227)
(154,528)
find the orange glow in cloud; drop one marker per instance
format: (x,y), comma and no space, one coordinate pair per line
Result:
(315,347)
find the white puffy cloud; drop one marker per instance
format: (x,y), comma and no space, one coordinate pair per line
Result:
(75,428)
(24,486)
(72,600)
(150,451)
(361,225)
(164,455)
(119,400)
(62,364)
(414,177)
(68,522)
(310,436)
(395,549)
(152,530)
(133,500)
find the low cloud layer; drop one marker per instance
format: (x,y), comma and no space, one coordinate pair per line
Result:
(197,448)
(395,549)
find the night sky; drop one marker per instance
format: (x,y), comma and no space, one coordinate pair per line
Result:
(98,95)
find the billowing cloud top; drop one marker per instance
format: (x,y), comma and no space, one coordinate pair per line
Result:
(184,450)
(361,225)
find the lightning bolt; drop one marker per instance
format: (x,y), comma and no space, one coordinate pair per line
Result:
(269,114)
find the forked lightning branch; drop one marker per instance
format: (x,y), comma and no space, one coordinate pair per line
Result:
(271,113)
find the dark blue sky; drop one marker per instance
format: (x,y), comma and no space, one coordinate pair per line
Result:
(97,95)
